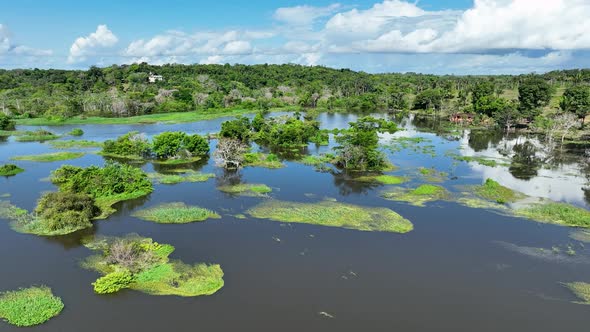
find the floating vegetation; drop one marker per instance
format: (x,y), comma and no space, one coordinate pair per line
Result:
(581,290)
(50,157)
(175,213)
(75,144)
(418,196)
(258,159)
(34,136)
(414,144)
(141,264)
(246,189)
(5,195)
(76,132)
(29,306)
(383,179)
(315,160)
(556,213)
(333,214)
(177,161)
(180,177)
(479,203)
(582,235)
(10,170)
(493,191)
(477,159)
(554,254)
(432,175)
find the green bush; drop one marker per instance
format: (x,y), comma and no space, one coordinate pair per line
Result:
(59,211)
(6,123)
(10,169)
(237,129)
(29,306)
(130,144)
(171,144)
(113,282)
(77,132)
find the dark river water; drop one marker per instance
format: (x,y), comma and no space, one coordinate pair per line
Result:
(451,273)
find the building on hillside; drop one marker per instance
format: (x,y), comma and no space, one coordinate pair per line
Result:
(155,78)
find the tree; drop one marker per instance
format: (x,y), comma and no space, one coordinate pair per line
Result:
(428,99)
(481,94)
(505,113)
(576,100)
(229,153)
(170,144)
(533,93)
(6,123)
(237,129)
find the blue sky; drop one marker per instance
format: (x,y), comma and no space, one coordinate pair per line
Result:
(459,36)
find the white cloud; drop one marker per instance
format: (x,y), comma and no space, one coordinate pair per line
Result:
(7,46)
(84,46)
(303,15)
(237,47)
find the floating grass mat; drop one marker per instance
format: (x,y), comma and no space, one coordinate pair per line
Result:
(484,161)
(382,179)
(582,235)
(415,144)
(432,175)
(10,170)
(50,157)
(177,161)
(6,133)
(493,191)
(34,136)
(555,213)
(581,290)
(479,203)
(246,189)
(142,264)
(180,177)
(258,159)
(75,144)
(29,306)
(333,214)
(175,213)
(418,196)
(564,254)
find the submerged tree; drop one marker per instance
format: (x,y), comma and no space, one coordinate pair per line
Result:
(229,153)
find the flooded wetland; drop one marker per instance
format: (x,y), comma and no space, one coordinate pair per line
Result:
(465,230)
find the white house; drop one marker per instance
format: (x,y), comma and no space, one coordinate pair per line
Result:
(155,78)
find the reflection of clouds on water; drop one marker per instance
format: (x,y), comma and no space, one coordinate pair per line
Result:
(560,183)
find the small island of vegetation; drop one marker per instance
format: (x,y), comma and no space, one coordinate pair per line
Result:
(29,306)
(10,170)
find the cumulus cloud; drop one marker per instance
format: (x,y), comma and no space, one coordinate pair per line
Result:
(303,15)
(84,46)
(8,47)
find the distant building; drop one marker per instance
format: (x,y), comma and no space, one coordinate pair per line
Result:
(155,78)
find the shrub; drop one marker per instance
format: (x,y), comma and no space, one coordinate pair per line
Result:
(77,132)
(29,306)
(130,144)
(6,123)
(171,144)
(113,282)
(236,129)
(65,211)
(10,169)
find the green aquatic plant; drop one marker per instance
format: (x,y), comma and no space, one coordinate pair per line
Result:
(333,214)
(246,189)
(76,132)
(50,157)
(418,196)
(432,175)
(132,145)
(556,213)
(175,213)
(29,306)
(259,159)
(187,176)
(383,179)
(10,170)
(581,290)
(141,264)
(479,203)
(107,185)
(493,191)
(414,144)
(39,135)
(74,144)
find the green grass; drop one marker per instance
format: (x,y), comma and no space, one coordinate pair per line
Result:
(418,196)
(478,203)
(493,191)
(258,159)
(76,132)
(383,179)
(175,213)
(188,176)
(246,189)
(314,160)
(556,213)
(106,203)
(432,175)
(582,235)
(50,157)
(33,136)
(10,170)
(75,144)
(581,290)
(151,270)
(333,214)
(480,160)
(179,117)
(177,161)
(29,306)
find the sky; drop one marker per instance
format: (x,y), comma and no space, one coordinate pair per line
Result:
(426,36)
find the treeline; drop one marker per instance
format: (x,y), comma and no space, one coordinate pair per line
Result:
(125,90)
